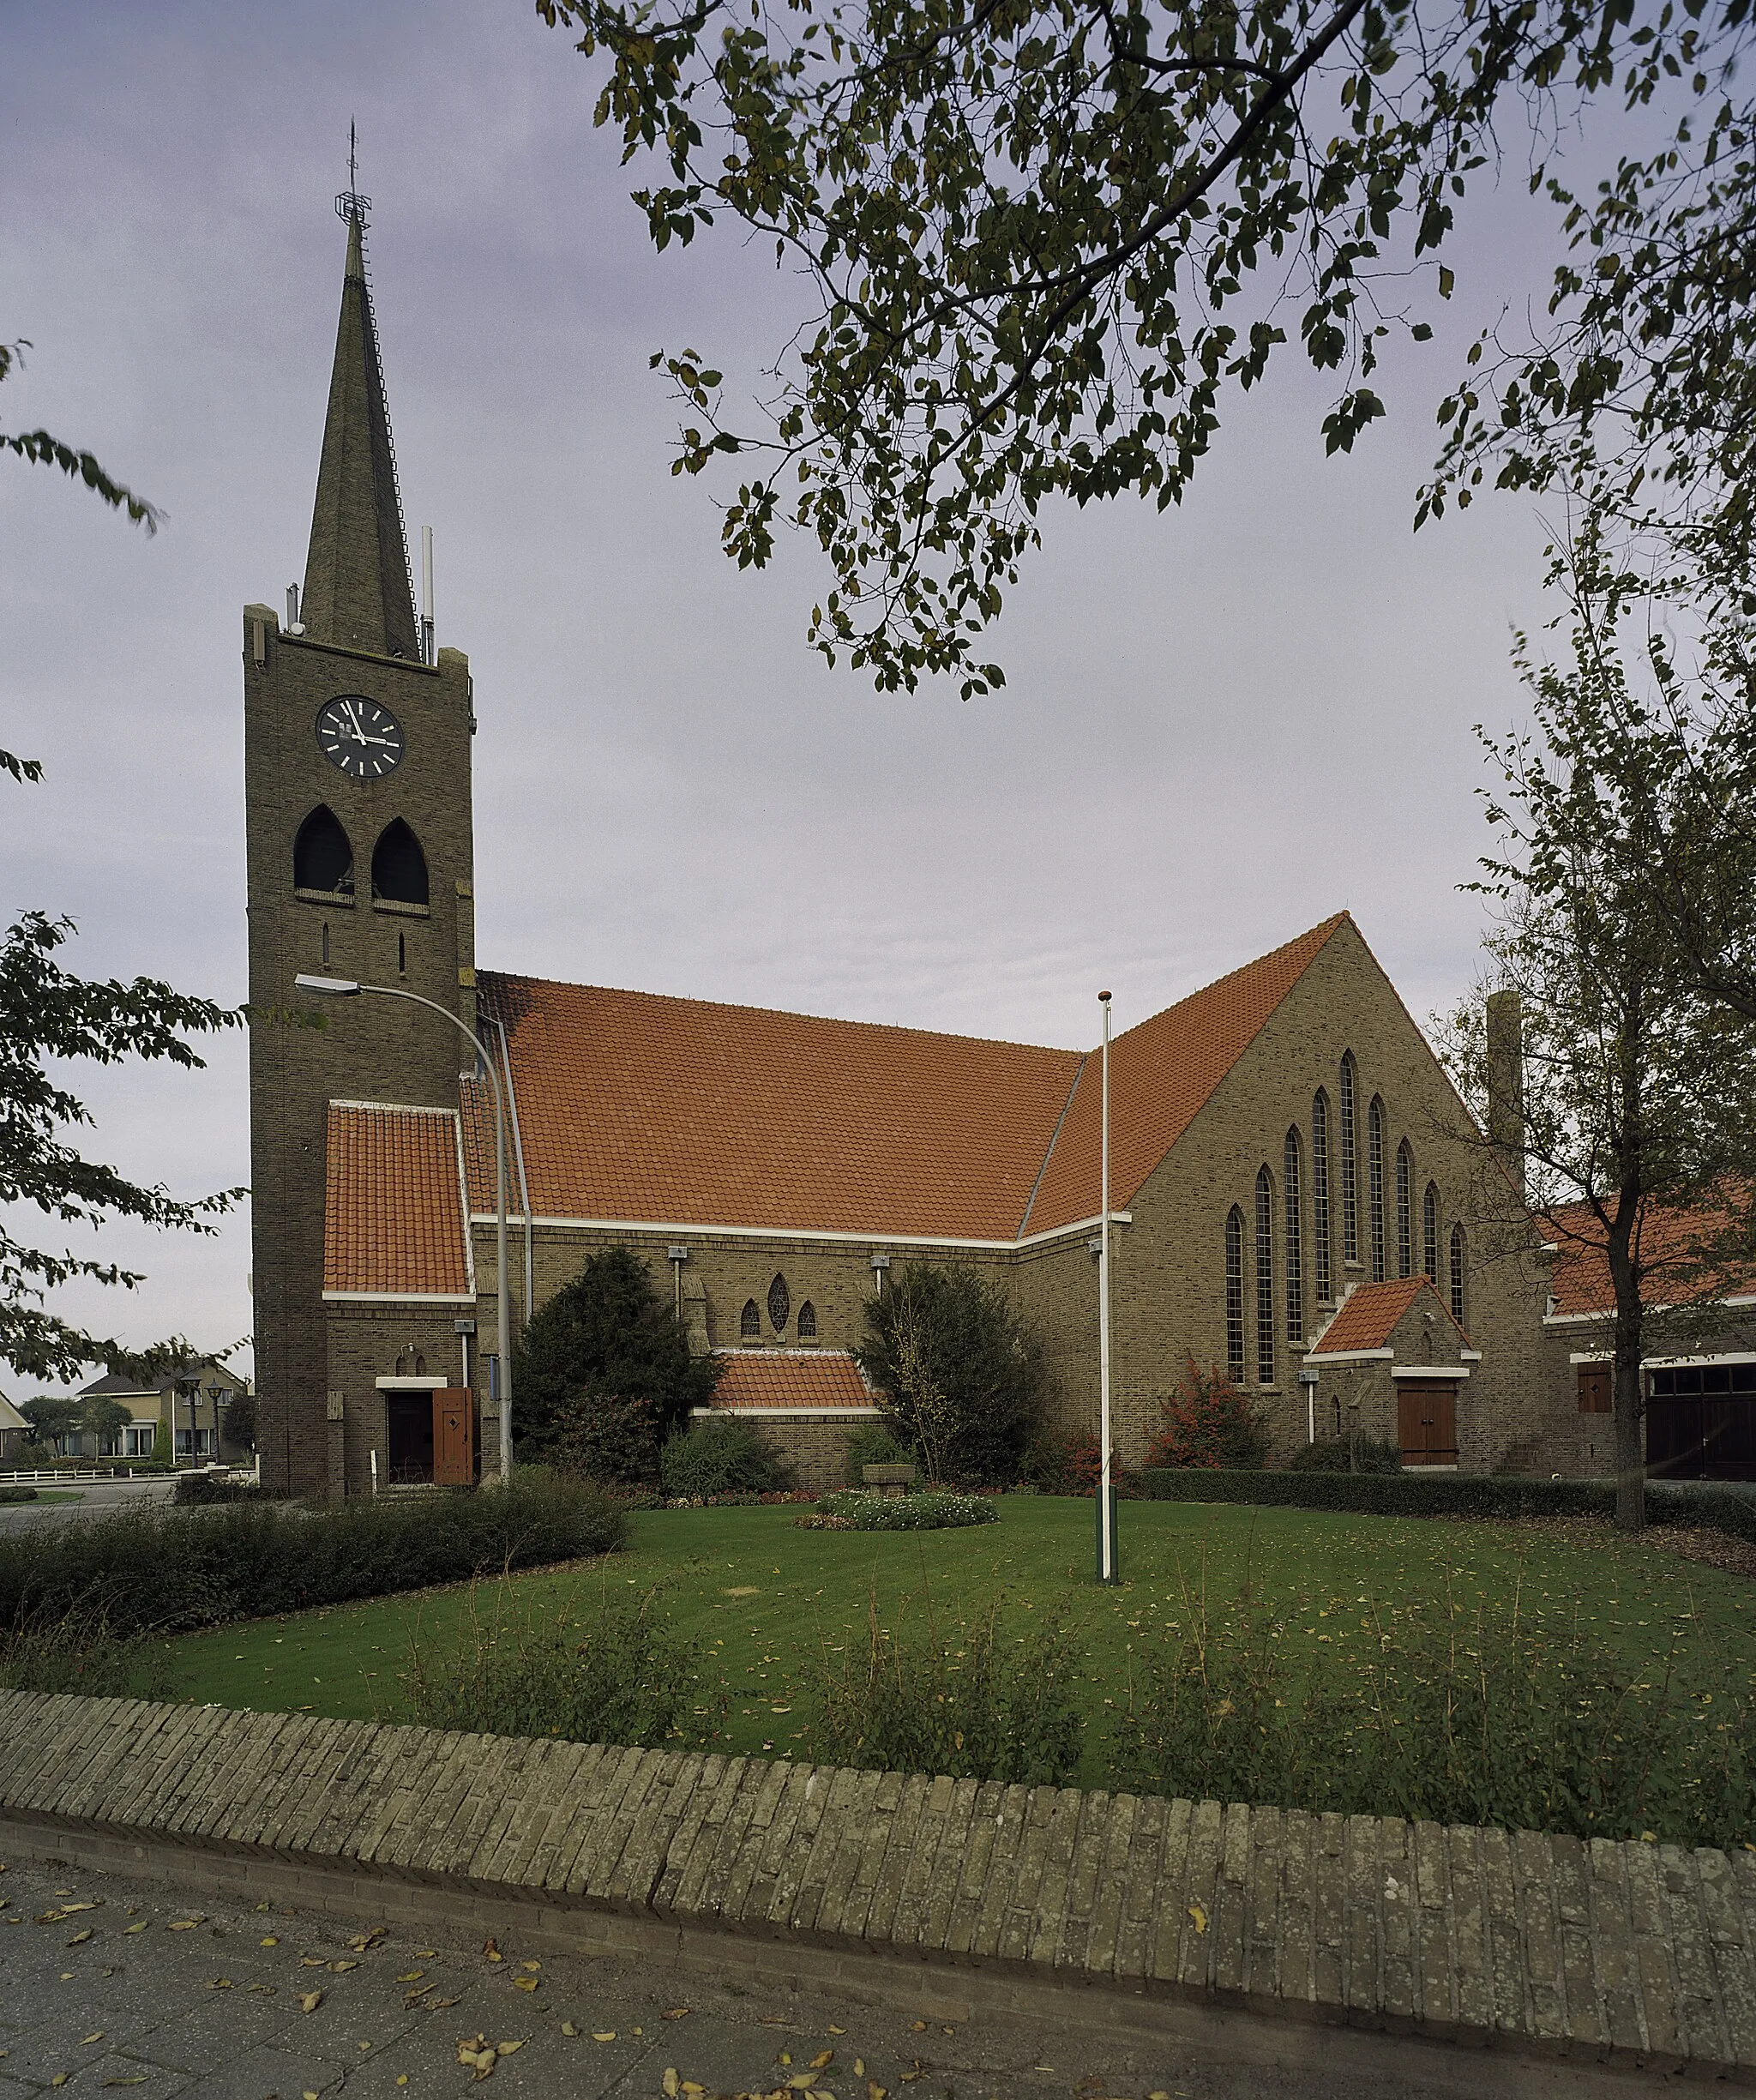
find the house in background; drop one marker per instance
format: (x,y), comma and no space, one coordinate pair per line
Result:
(14,1431)
(190,1399)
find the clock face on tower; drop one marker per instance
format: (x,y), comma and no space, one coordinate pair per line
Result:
(360,736)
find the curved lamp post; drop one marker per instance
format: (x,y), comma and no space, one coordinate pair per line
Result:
(347,988)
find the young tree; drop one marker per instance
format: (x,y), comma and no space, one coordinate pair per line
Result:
(1207,1420)
(1634,1101)
(605,1364)
(1046,242)
(101,1418)
(53,1420)
(962,1374)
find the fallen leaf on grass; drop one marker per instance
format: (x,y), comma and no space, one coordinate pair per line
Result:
(833,2029)
(311,2001)
(874,2091)
(669,2084)
(414,1975)
(823,2059)
(270,1942)
(341,1968)
(97,2035)
(1200,1916)
(526,1982)
(80,1938)
(186,1924)
(676,2012)
(141,1927)
(568,2028)
(607,2034)
(491,1951)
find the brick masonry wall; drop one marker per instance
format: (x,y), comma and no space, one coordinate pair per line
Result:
(377,1050)
(1642,1955)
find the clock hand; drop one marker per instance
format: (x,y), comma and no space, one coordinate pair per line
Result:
(359,734)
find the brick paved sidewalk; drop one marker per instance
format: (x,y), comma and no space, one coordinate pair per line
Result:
(108,1984)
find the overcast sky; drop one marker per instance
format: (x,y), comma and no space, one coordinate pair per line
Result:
(1221,724)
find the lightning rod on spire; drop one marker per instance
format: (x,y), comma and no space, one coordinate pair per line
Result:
(350,204)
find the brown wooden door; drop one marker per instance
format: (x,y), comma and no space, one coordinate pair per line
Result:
(454,1437)
(1427,1421)
(1596,1396)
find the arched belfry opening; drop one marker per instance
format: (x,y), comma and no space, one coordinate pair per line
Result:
(322,858)
(398,866)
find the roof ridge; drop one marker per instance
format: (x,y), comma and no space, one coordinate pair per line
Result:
(1031,1201)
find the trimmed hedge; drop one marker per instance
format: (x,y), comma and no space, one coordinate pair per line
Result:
(163,1571)
(1701,1504)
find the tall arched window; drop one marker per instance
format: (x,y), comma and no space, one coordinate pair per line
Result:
(322,856)
(1319,1198)
(807,1321)
(1429,1233)
(1265,1277)
(779,1303)
(1405,1210)
(1291,1179)
(749,1322)
(1350,1163)
(398,866)
(1234,1295)
(1460,1260)
(1374,1185)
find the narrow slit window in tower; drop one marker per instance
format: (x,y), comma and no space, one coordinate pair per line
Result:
(1234,1294)
(749,1322)
(1429,1233)
(1405,1210)
(1265,1277)
(1319,1197)
(1294,1242)
(1374,1185)
(1350,1165)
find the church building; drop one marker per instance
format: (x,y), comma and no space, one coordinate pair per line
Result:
(1297,1193)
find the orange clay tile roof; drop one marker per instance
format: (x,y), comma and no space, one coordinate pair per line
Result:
(797,1378)
(1672,1247)
(393,1216)
(640,1109)
(1369,1314)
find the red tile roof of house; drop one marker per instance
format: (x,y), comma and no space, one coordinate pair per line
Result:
(1675,1248)
(790,1378)
(1368,1315)
(393,1221)
(639,1109)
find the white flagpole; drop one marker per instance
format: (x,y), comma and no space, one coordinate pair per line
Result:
(1106,1525)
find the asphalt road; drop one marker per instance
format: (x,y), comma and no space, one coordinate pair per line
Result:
(97,1498)
(112,1985)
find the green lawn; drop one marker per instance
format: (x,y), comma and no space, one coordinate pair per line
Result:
(762,1597)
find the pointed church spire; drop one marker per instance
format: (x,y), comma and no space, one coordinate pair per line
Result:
(358,594)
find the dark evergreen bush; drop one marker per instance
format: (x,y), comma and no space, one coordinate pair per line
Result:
(604,1374)
(157,1570)
(201,1491)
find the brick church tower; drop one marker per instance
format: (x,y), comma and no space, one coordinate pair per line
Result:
(360,865)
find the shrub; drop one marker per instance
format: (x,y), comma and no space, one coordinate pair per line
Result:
(17,1494)
(876,1443)
(936,1510)
(53,1651)
(1330,1455)
(167,1570)
(1472,1717)
(607,1345)
(616,1675)
(963,1375)
(1417,1493)
(956,1701)
(1206,1421)
(200,1490)
(721,1456)
(603,1437)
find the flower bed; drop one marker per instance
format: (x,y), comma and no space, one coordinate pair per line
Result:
(932,1511)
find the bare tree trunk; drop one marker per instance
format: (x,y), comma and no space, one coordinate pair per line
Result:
(1628,1400)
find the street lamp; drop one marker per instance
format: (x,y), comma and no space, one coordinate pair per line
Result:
(346,988)
(1107,1571)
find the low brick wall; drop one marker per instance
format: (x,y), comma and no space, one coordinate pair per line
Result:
(1638,1953)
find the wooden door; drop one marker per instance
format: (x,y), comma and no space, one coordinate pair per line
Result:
(454,1437)
(1596,1392)
(1427,1421)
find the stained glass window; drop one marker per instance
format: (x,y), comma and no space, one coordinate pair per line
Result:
(1350,1165)
(749,1323)
(1405,1210)
(1294,1241)
(1234,1294)
(1374,1184)
(1429,1232)
(1264,1278)
(1319,1197)
(779,1303)
(807,1321)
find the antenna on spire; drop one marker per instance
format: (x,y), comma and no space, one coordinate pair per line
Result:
(350,204)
